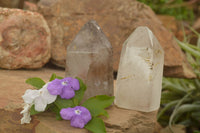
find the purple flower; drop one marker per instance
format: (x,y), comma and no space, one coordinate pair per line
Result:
(64,87)
(78,115)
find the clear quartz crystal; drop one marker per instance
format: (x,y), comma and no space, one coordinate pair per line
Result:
(139,80)
(89,57)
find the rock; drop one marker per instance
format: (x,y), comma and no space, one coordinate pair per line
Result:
(30,6)
(169,22)
(12,87)
(118,20)
(120,120)
(48,124)
(10,122)
(32,1)
(196,27)
(12,3)
(89,57)
(197,24)
(24,39)
(140,72)
(130,121)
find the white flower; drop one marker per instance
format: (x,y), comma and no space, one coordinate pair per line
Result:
(40,98)
(26,114)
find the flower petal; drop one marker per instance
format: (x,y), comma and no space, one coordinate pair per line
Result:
(67,79)
(85,114)
(77,121)
(30,95)
(26,114)
(55,87)
(75,84)
(67,93)
(26,118)
(40,104)
(67,113)
(26,108)
(46,95)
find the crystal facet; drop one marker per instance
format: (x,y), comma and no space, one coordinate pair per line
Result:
(89,57)
(139,80)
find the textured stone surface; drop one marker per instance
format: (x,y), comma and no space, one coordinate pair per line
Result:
(10,122)
(169,22)
(139,79)
(130,121)
(48,124)
(119,121)
(32,1)
(30,6)
(12,86)
(89,57)
(24,39)
(173,25)
(11,3)
(118,20)
(196,25)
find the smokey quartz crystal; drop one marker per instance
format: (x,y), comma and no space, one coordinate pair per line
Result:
(90,57)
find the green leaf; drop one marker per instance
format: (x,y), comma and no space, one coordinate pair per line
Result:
(54,76)
(104,113)
(58,117)
(79,93)
(36,82)
(184,109)
(75,101)
(167,106)
(63,103)
(189,49)
(58,77)
(96,125)
(168,96)
(196,115)
(33,111)
(56,110)
(97,104)
(196,131)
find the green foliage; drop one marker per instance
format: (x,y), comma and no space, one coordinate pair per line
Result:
(96,125)
(33,111)
(175,8)
(79,93)
(63,103)
(35,82)
(180,102)
(97,104)
(54,76)
(180,108)
(56,110)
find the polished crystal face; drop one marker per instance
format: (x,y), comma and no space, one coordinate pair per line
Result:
(139,79)
(89,57)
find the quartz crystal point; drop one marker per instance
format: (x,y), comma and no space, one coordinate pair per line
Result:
(89,57)
(139,80)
